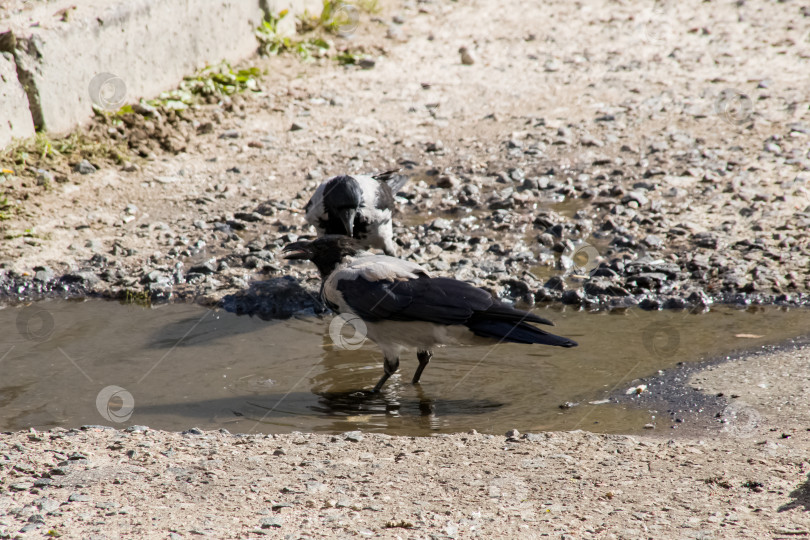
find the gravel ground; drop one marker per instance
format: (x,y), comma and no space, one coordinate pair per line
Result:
(615,155)
(598,154)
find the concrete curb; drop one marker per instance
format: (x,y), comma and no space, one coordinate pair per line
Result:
(15,117)
(70,56)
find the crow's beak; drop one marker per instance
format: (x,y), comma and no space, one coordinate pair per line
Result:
(346,216)
(297,250)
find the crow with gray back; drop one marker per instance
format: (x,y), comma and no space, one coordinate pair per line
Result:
(403,307)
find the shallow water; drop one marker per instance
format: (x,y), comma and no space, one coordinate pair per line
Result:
(178,366)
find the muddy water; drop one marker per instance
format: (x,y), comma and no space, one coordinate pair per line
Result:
(178,366)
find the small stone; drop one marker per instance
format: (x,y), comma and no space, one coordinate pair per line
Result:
(440,224)
(229,134)
(512,434)
(208,267)
(572,297)
(297,126)
(44,178)
(46,504)
(367,62)
(637,196)
(653,241)
(43,274)
(353,436)
(78,497)
(555,283)
(467,57)
(248,216)
(448,182)
(773,148)
(84,167)
(436,146)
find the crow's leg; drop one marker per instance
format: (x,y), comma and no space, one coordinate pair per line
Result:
(390,366)
(423,357)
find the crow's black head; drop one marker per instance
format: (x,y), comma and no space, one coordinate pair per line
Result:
(342,198)
(326,252)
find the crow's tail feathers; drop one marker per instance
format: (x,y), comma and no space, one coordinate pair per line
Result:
(517,332)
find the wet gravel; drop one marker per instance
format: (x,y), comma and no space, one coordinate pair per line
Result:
(621,247)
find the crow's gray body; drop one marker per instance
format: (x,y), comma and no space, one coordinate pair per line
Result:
(403,307)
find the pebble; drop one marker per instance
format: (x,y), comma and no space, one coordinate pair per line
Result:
(272,522)
(353,436)
(84,167)
(44,178)
(43,273)
(467,57)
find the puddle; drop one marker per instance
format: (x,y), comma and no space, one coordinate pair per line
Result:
(178,366)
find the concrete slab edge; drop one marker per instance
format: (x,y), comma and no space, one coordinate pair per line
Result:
(116,51)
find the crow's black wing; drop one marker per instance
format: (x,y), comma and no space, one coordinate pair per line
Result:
(436,300)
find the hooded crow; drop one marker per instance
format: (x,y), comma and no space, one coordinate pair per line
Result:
(403,307)
(359,206)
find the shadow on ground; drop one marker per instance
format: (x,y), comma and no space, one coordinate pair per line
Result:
(801,498)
